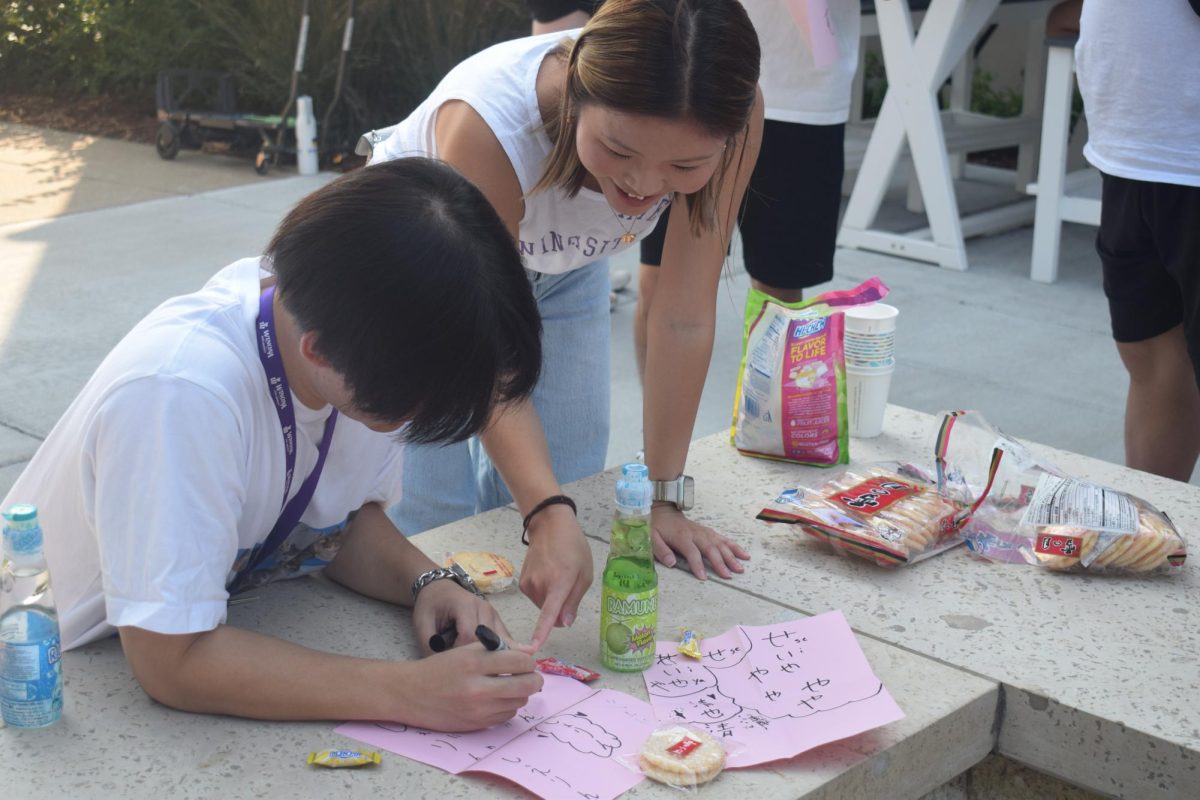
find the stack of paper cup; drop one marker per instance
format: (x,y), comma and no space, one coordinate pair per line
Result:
(870,346)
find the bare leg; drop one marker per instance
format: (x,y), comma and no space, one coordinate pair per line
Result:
(1063,19)
(647,280)
(786,295)
(1162,412)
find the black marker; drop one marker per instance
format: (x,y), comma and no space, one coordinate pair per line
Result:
(489,638)
(444,639)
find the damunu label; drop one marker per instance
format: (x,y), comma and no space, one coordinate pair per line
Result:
(874,495)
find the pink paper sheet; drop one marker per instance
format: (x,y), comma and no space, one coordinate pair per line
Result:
(776,689)
(564,743)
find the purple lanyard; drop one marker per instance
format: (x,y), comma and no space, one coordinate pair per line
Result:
(281,396)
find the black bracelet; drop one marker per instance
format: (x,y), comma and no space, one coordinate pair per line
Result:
(555,500)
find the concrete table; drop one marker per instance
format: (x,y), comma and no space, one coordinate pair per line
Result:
(1100,675)
(114,741)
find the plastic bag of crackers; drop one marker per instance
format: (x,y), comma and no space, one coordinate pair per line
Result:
(686,757)
(1031,512)
(889,513)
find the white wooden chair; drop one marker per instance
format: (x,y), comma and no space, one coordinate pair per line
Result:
(917,64)
(1061,196)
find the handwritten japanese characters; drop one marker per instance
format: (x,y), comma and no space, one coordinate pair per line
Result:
(564,743)
(776,689)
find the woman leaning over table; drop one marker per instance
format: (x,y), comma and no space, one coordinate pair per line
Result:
(580,140)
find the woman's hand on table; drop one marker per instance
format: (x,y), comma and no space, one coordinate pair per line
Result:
(675,535)
(444,602)
(557,570)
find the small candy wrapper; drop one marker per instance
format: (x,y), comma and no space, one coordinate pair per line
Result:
(491,572)
(553,666)
(689,643)
(343,758)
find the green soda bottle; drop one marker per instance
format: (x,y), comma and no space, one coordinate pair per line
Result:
(629,599)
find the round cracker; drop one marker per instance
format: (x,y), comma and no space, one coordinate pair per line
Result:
(700,764)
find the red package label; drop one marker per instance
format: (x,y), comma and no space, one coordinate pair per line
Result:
(554,666)
(870,497)
(683,747)
(1058,545)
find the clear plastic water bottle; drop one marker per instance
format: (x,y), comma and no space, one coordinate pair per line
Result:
(629,595)
(30,653)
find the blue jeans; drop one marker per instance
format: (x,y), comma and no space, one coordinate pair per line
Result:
(444,483)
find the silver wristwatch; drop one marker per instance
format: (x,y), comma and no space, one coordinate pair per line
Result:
(454,572)
(681,491)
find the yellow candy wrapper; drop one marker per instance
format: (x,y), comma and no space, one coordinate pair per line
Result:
(689,643)
(343,758)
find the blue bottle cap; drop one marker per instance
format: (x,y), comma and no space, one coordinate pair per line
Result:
(21,512)
(633,487)
(22,534)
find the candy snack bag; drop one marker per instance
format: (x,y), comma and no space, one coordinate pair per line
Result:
(1031,512)
(790,402)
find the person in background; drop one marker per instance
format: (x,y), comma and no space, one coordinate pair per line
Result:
(391,302)
(1138,67)
(1063,19)
(789,220)
(580,141)
(550,16)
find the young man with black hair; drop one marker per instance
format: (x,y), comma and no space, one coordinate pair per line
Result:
(391,302)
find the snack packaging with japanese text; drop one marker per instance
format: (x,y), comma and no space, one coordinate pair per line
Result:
(1032,512)
(790,402)
(888,513)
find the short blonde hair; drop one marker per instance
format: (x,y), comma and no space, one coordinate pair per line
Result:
(679,59)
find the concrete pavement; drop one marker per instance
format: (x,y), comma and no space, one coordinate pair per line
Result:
(94,233)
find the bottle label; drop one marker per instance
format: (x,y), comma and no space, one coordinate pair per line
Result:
(30,668)
(31,683)
(628,624)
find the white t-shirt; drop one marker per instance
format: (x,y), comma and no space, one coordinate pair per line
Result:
(167,471)
(557,234)
(1138,66)
(794,89)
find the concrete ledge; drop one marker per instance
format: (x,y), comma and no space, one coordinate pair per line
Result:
(997,778)
(1103,755)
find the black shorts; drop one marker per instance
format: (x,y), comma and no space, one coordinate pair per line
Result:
(550,10)
(1149,246)
(790,214)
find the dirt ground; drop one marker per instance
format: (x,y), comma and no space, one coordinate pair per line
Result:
(113,118)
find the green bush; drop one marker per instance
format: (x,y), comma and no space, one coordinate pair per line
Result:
(401,48)
(400,51)
(73,47)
